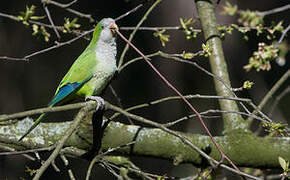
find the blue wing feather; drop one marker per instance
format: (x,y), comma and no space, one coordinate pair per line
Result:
(66,90)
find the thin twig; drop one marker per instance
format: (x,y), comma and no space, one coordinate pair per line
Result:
(55,166)
(50,20)
(190,96)
(64,159)
(146,175)
(111,170)
(285,31)
(59,4)
(270,93)
(136,59)
(4,117)
(6,148)
(135,30)
(82,15)
(129,12)
(26,58)
(13,58)
(71,175)
(28,151)
(97,157)
(211,111)
(66,163)
(153,28)
(9,16)
(277,99)
(259,111)
(158,53)
(58,45)
(276,86)
(119,102)
(275,10)
(158,28)
(58,28)
(73,152)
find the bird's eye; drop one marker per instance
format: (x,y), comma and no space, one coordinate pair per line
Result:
(102,26)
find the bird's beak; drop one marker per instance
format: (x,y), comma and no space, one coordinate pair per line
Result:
(114,28)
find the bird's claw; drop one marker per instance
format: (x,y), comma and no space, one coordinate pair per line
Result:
(100,101)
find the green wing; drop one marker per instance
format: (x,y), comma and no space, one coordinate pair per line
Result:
(80,72)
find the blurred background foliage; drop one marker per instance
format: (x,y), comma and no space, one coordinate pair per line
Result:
(29,85)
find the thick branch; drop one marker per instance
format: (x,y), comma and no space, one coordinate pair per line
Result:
(219,66)
(244,149)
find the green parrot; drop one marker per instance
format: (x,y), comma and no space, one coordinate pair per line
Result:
(91,72)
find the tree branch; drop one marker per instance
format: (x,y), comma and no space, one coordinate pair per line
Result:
(219,66)
(150,142)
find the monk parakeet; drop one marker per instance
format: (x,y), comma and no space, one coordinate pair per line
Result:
(91,72)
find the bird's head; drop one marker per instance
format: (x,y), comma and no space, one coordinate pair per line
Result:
(106,30)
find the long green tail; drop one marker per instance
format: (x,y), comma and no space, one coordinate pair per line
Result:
(37,121)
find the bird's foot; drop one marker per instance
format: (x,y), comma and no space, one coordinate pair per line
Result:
(99,100)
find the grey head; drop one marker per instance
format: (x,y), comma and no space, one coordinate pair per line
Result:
(107,26)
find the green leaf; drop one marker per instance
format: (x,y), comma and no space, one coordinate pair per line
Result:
(164,38)
(228,9)
(188,55)
(30,171)
(260,60)
(225,30)
(69,25)
(250,18)
(248,84)
(206,50)
(283,163)
(37,17)
(40,31)
(275,128)
(29,15)
(186,25)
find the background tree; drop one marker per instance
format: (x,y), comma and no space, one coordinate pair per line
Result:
(186,38)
